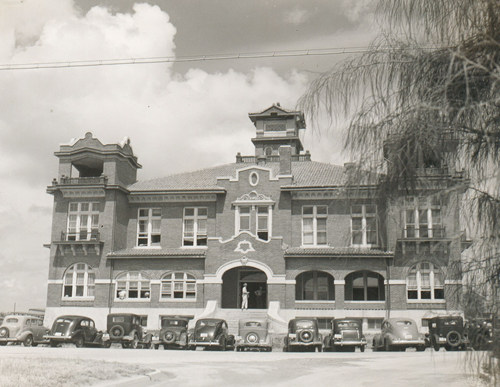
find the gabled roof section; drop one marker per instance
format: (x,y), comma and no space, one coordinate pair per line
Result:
(309,174)
(277,111)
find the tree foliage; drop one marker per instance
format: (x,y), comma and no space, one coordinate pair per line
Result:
(427,93)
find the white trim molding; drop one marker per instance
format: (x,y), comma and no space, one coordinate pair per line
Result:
(452,282)
(395,282)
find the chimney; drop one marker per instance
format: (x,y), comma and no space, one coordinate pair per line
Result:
(285,152)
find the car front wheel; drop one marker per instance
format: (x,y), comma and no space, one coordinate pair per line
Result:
(79,342)
(28,341)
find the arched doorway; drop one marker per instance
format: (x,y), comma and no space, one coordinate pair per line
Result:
(232,284)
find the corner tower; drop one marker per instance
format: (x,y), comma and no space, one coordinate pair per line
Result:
(276,126)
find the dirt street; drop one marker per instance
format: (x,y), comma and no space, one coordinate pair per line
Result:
(200,368)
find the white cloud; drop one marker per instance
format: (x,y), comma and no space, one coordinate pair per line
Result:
(297,16)
(168,117)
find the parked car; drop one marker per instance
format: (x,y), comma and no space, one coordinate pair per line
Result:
(79,330)
(480,333)
(253,335)
(346,334)
(448,332)
(173,333)
(303,334)
(211,333)
(398,334)
(25,329)
(126,329)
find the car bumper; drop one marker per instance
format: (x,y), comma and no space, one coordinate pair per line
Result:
(302,344)
(408,343)
(205,343)
(10,340)
(59,339)
(118,339)
(253,345)
(349,343)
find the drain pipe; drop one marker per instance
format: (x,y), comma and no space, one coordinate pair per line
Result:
(388,288)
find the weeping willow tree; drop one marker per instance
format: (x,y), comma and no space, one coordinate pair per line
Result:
(427,92)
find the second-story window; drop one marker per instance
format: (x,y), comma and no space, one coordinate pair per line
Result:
(254,219)
(149,227)
(314,225)
(195,226)
(422,218)
(364,225)
(83,221)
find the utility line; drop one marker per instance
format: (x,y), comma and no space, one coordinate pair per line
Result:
(181,59)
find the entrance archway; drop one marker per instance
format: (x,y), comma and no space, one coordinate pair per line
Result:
(232,285)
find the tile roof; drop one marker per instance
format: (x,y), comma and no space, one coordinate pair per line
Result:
(158,253)
(305,174)
(329,251)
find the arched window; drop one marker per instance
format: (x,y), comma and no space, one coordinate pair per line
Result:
(178,286)
(425,282)
(314,285)
(79,281)
(133,285)
(364,286)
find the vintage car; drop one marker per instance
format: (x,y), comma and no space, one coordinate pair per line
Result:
(346,334)
(447,332)
(480,333)
(398,334)
(303,334)
(211,333)
(126,329)
(25,329)
(79,330)
(173,333)
(253,335)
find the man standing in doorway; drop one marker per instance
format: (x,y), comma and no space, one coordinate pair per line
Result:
(244,297)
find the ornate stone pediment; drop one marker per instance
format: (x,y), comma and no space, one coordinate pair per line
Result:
(254,198)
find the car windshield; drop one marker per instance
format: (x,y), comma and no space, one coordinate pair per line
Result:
(253,324)
(347,324)
(118,319)
(450,322)
(403,323)
(11,320)
(173,323)
(207,323)
(304,324)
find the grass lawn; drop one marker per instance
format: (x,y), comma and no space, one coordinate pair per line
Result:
(20,372)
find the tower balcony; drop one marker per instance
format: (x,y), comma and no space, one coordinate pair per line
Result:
(79,242)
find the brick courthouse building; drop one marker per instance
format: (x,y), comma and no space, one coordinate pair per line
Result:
(305,241)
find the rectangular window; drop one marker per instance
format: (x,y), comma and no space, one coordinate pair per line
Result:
(244,212)
(422,218)
(254,219)
(314,219)
(364,225)
(149,227)
(263,222)
(83,221)
(195,226)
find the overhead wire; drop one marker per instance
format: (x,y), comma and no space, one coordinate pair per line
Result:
(182,59)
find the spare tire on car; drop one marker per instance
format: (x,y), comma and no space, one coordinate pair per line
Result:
(116,332)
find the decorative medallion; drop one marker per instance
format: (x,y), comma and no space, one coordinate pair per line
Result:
(244,247)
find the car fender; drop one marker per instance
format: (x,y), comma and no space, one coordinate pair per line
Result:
(23,334)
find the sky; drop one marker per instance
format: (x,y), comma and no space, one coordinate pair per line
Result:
(179,116)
